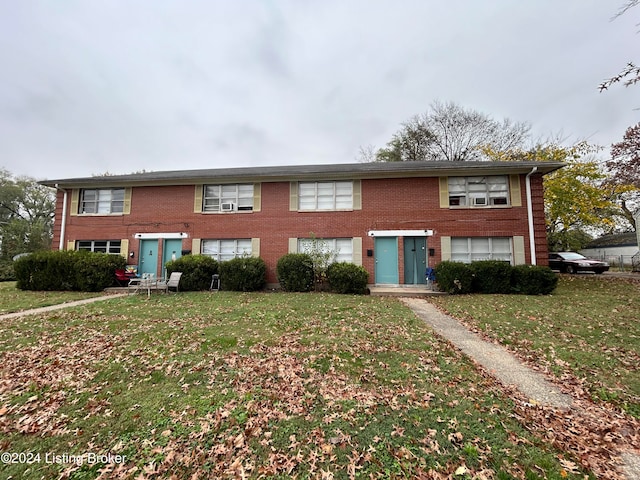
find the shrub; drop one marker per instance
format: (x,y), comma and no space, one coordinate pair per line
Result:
(244,274)
(491,276)
(67,270)
(533,280)
(93,272)
(295,272)
(7,274)
(454,277)
(347,278)
(197,271)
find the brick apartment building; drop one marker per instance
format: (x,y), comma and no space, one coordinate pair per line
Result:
(395,219)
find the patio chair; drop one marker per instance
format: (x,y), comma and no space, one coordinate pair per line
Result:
(173,282)
(123,277)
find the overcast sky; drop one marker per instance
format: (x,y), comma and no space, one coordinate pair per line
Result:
(121,86)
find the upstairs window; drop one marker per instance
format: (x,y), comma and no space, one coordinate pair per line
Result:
(227,198)
(488,191)
(325,196)
(102,201)
(103,246)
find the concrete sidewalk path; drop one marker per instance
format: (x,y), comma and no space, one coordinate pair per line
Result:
(59,306)
(494,358)
(506,368)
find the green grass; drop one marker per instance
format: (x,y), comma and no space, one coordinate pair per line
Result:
(14,300)
(262,385)
(587,330)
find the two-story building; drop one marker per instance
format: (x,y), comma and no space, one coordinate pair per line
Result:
(395,219)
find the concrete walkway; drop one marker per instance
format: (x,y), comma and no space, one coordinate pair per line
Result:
(495,359)
(59,306)
(505,367)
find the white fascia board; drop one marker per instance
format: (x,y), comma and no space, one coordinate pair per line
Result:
(400,233)
(151,236)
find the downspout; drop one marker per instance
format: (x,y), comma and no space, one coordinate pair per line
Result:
(532,240)
(63,223)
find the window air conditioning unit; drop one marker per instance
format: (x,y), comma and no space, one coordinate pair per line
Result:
(479,201)
(227,207)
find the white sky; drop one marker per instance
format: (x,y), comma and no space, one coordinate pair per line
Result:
(90,86)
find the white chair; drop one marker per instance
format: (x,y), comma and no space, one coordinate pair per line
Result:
(173,282)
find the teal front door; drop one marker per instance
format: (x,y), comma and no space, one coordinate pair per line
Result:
(415,260)
(386,258)
(171,250)
(148,256)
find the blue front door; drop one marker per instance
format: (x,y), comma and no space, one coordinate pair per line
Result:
(172,250)
(386,257)
(148,256)
(415,260)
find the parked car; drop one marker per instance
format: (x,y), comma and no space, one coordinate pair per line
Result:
(572,262)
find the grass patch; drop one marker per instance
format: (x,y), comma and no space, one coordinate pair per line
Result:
(14,300)
(587,330)
(262,385)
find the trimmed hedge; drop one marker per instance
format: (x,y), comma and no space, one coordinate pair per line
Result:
(197,271)
(67,270)
(494,277)
(244,274)
(454,277)
(347,277)
(491,276)
(295,272)
(532,280)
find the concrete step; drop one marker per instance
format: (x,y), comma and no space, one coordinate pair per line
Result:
(414,291)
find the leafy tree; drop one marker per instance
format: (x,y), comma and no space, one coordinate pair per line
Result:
(577,197)
(624,169)
(625,158)
(26,216)
(450,132)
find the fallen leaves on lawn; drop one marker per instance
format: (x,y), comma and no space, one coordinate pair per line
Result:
(52,370)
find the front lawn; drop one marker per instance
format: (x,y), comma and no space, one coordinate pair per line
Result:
(230,385)
(14,300)
(587,333)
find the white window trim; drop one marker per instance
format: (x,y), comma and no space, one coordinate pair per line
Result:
(82,202)
(237,252)
(235,202)
(477,198)
(469,253)
(93,242)
(334,207)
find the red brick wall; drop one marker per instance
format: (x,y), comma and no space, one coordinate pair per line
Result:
(388,204)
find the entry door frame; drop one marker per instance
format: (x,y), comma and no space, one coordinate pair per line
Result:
(386,260)
(149,242)
(394,235)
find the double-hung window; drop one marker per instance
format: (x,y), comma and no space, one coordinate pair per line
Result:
(103,246)
(102,201)
(223,250)
(313,196)
(478,191)
(471,249)
(227,198)
(335,249)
